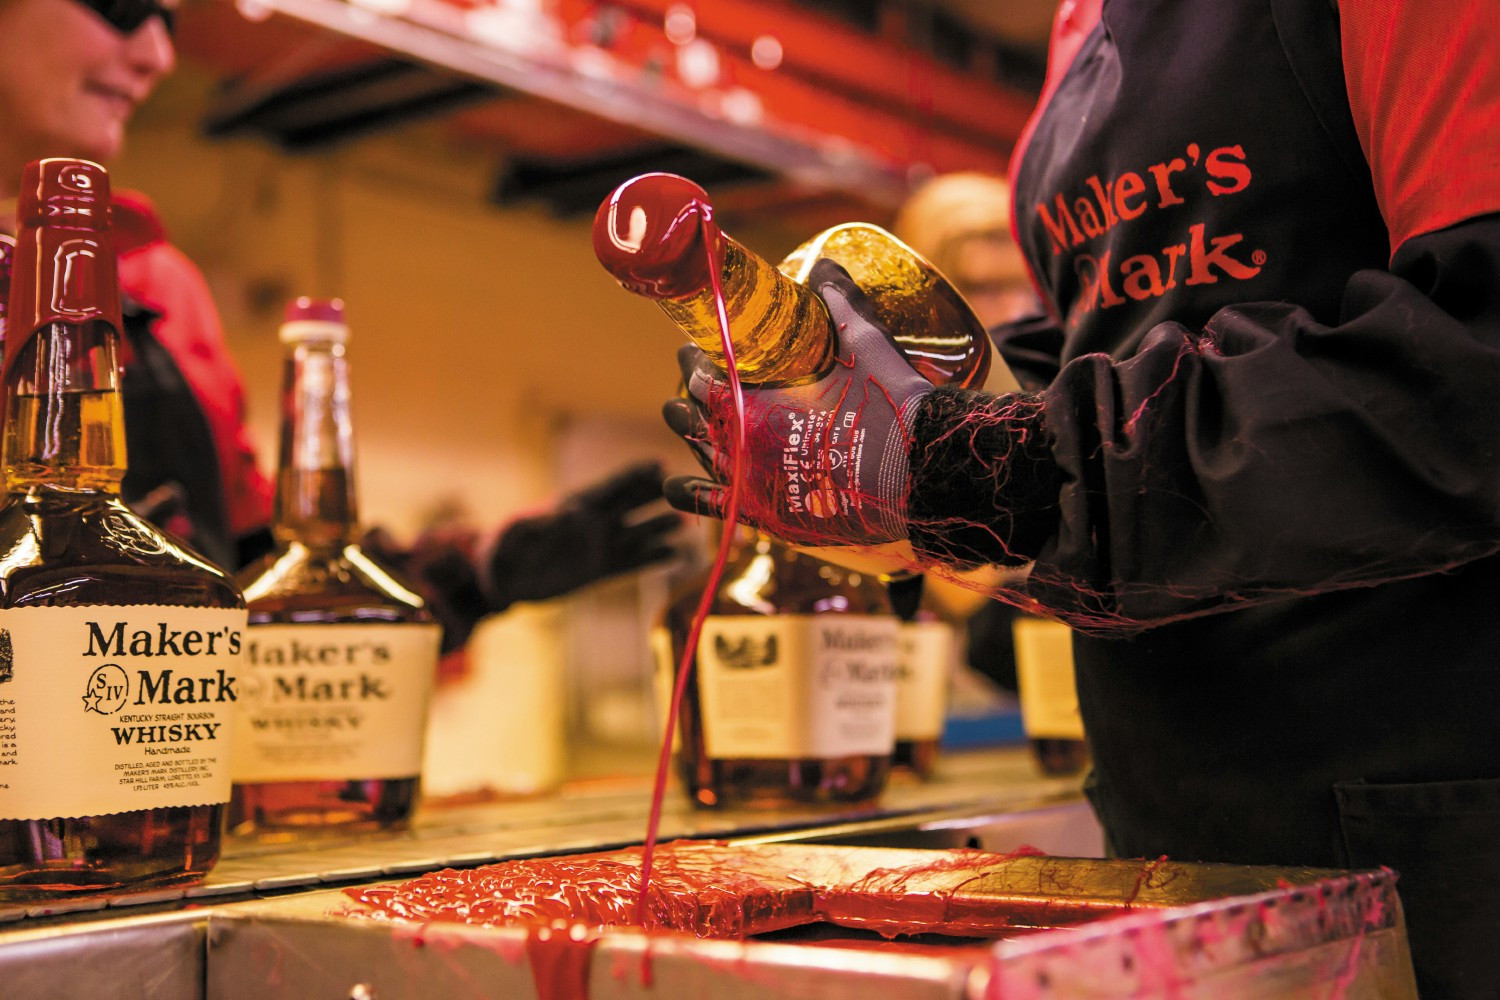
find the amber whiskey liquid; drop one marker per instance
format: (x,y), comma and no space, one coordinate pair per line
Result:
(340,654)
(792,698)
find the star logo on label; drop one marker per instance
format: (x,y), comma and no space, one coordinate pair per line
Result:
(107,689)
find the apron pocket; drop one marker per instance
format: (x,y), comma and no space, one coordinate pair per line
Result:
(1443,838)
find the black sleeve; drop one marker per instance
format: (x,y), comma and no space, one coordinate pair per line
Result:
(1262,457)
(1031,348)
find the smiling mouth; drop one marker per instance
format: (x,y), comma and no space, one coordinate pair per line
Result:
(123,99)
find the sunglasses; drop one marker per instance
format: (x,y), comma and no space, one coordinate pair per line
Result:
(125,16)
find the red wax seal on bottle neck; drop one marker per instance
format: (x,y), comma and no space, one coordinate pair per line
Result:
(64,192)
(307,309)
(649,234)
(64,269)
(314,319)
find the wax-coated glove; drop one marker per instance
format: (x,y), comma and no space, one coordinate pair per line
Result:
(825,463)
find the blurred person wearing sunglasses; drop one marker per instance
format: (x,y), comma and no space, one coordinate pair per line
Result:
(72,72)
(71,75)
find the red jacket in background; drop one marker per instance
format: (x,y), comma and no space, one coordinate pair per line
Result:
(158,276)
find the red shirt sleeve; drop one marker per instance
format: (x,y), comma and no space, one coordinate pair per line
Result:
(1071,26)
(1424,89)
(160,277)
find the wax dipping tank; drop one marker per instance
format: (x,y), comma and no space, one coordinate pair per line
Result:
(1048,927)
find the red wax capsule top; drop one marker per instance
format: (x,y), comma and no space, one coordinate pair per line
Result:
(64,265)
(309,319)
(64,193)
(314,310)
(649,234)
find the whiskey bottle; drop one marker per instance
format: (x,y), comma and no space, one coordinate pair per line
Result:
(1049,695)
(118,645)
(928,647)
(657,236)
(340,654)
(791,700)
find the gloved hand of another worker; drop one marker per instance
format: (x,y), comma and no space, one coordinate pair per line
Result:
(826,462)
(599,532)
(602,531)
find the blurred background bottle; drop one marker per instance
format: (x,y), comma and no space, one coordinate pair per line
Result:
(929,651)
(340,655)
(792,698)
(1049,694)
(656,235)
(118,646)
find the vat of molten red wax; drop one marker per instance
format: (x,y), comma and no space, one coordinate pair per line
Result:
(810,921)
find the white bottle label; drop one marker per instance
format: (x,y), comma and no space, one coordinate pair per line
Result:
(112,709)
(1044,675)
(794,686)
(334,702)
(927,650)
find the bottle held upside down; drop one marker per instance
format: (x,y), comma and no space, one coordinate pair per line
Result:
(656,235)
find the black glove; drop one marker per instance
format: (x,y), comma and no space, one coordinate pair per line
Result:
(591,535)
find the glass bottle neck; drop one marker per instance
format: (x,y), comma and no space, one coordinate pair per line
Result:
(780,330)
(315,499)
(64,418)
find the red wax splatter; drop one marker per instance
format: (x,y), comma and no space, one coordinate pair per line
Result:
(713,890)
(1143,880)
(657,236)
(702,889)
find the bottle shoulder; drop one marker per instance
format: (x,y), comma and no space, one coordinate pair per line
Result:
(774,580)
(61,547)
(299,583)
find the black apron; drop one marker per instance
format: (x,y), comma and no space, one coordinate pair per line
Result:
(1351,729)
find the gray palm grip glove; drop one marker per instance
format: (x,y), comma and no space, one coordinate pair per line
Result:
(825,463)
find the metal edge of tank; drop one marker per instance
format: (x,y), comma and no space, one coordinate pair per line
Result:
(1342,935)
(1285,933)
(137,957)
(270,956)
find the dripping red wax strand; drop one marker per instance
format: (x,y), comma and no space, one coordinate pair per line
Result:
(731,519)
(560,962)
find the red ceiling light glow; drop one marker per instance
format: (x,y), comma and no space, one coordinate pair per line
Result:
(680,24)
(766,52)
